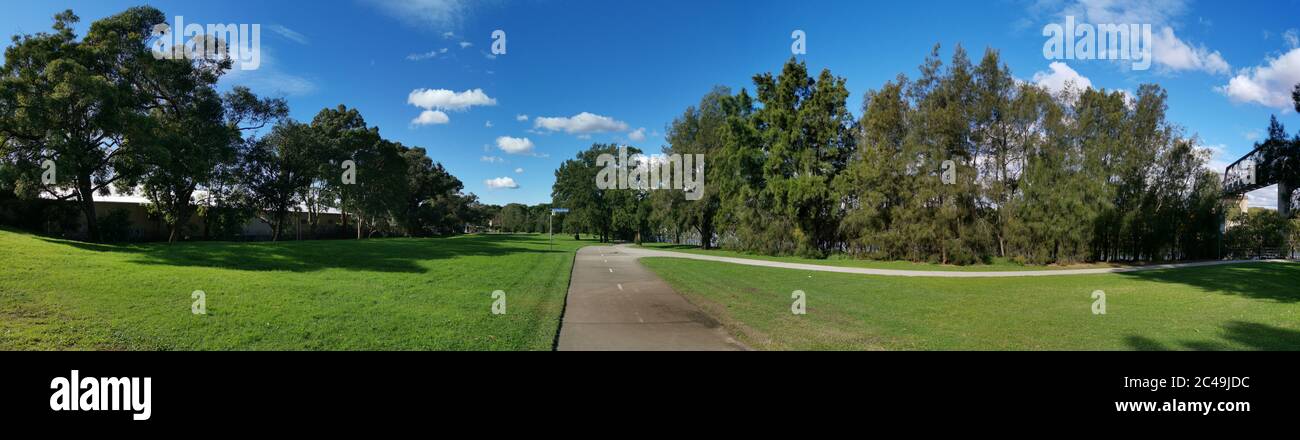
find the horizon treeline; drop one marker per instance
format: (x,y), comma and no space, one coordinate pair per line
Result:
(105,112)
(959,164)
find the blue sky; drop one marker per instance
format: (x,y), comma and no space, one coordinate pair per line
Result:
(633,66)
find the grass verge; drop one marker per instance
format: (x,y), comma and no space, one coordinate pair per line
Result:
(1231,307)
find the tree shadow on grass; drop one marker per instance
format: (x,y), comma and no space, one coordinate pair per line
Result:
(1141,343)
(375,255)
(1278,282)
(1252,335)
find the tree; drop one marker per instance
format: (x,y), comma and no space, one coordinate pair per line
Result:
(191,133)
(591,207)
(1257,232)
(514,218)
(70,102)
(1295,96)
(432,198)
(800,138)
(369,172)
(699,130)
(873,186)
(276,170)
(996,124)
(1293,237)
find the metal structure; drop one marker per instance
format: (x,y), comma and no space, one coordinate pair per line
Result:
(1255,170)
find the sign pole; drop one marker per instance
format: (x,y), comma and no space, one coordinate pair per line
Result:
(551,224)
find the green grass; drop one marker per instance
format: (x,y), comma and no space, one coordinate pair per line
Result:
(1232,307)
(380,294)
(998,264)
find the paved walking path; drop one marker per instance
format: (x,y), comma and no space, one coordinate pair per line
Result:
(616,304)
(639,252)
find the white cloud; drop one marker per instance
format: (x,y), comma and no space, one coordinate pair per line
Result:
(519,170)
(1167,49)
(428,14)
(1171,52)
(1130,100)
(431,117)
(491,159)
(1061,76)
(637,135)
(465,44)
(422,56)
(434,102)
(1216,157)
(515,145)
(1252,135)
(1292,37)
(269,79)
(1269,85)
(443,99)
(487,124)
(289,34)
(581,123)
(501,182)
(521,117)
(1265,197)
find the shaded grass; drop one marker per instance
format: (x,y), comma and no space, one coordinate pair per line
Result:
(1231,307)
(381,294)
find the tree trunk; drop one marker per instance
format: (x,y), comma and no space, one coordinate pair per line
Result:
(182,209)
(207,223)
(87,197)
(313,218)
(706,234)
(279,225)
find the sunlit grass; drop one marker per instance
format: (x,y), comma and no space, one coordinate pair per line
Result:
(380,294)
(1233,307)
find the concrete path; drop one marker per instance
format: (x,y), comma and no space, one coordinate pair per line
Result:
(616,304)
(638,252)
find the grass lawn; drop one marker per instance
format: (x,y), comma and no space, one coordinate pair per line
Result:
(1233,307)
(380,294)
(998,264)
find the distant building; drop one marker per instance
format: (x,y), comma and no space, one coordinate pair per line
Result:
(147,227)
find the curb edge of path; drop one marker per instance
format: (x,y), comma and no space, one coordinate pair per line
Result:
(564,305)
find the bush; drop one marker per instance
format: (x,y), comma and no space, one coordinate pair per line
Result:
(1257,233)
(225,223)
(116,226)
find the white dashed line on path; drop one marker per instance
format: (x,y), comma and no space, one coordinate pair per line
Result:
(644,314)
